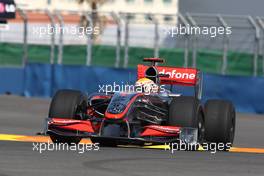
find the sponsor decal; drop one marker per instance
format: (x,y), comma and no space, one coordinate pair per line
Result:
(7,9)
(10,8)
(185,76)
(178,75)
(2,7)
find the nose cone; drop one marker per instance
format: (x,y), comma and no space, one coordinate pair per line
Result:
(119,105)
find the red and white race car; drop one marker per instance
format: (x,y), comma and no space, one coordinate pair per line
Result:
(140,117)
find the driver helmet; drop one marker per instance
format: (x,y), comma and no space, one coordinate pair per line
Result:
(146,85)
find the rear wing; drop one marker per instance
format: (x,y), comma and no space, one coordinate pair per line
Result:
(176,76)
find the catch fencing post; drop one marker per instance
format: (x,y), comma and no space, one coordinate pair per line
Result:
(25,36)
(118,38)
(256,47)
(60,50)
(261,23)
(186,42)
(194,46)
(225,45)
(89,40)
(126,57)
(156,37)
(52,46)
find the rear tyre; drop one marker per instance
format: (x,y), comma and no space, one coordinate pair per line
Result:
(220,120)
(187,111)
(67,104)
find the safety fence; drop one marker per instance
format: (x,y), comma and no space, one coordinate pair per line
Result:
(104,55)
(42,80)
(61,30)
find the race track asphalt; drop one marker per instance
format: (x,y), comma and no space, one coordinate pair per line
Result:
(25,116)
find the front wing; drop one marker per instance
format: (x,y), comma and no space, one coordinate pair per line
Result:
(149,135)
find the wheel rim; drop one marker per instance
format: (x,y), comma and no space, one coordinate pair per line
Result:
(201,128)
(232,128)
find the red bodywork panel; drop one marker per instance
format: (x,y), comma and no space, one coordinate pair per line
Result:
(69,124)
(178,76)
(157,130)
(86,126)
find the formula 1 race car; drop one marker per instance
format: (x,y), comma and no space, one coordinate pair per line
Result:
(140,118)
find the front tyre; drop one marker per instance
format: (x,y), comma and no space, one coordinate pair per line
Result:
(186,111)
(67,104)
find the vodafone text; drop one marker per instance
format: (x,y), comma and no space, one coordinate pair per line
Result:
(178,75)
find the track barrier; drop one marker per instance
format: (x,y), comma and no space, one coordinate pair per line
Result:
(42,80)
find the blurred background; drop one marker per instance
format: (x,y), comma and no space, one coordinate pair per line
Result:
(130,30)
(46,45)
